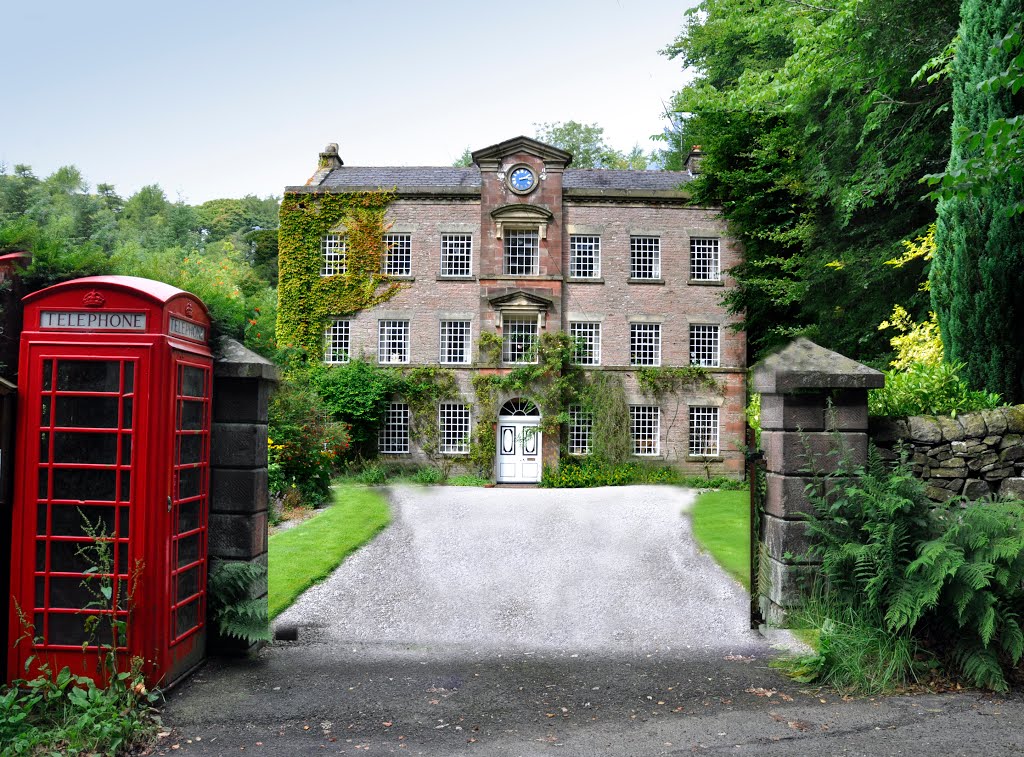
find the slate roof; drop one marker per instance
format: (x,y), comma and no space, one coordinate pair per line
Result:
(403,176)
(468,179)
(602,178)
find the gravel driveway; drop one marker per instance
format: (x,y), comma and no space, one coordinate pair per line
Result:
(611,569)
(523,622)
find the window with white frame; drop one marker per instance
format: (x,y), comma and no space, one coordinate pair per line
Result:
(522,252)
(704,264)
(456,254)
(393,437)
(398,254)
(704,345)
(337,342)
(645,257)
(455,340)
(581,426)
(334,249)
(453,428)
(584,257)
(393,341)
(645,344)
(588,342)
(645,429)
(704,431)
(519,341)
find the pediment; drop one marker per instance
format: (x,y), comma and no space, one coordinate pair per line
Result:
(518,215)
(521,211)
(520,300)
(552,156)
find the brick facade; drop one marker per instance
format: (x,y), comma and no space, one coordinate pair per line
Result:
(610,205)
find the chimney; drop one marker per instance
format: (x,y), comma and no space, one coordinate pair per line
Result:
(329,158)
(693,160)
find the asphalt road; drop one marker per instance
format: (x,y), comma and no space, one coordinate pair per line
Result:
(525,622)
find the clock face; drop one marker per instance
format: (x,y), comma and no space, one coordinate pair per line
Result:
(521,179)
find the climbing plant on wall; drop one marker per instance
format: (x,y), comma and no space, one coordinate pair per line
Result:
(307,299)
(552,382)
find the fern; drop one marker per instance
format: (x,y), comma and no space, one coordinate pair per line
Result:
(952,575)
(232,607)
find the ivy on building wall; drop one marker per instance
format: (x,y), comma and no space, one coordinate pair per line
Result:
(555,381)
(552,382)
(307,299)
(423,388)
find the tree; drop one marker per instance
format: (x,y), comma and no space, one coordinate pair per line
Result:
(587,145)
(815,137)
(978,272)
(999,149)
(465,160)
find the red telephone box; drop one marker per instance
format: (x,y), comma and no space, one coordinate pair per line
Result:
(112,478)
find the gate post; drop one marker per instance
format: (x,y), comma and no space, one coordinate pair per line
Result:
(814,418)
(239,497)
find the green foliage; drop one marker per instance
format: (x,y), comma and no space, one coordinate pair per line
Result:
(928,389)
(466,479)
(232,607)
(606,401)
(978,272)
(814,138)
(71,715)
(357,393)
(989,156)
(64,713)
(587,145)
(309,299)
(72,232)
(553,382)
(585,472)
(372,474)
(854,652)
(664,380)
(465,160)
(951,577)
(422,388)
(302,445)
(429,475)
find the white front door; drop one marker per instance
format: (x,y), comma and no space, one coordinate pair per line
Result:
(519,447)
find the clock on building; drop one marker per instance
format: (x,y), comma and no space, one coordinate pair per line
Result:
(522,179)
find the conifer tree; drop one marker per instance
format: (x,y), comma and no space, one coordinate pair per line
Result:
(978,271)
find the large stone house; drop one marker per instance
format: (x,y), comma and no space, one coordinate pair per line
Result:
(520,244)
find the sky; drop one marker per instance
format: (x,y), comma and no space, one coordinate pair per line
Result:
(224,98)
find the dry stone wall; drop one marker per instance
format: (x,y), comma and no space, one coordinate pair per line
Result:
(975,454)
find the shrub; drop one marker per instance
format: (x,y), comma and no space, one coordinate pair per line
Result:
(924,389)
(582,472)
(467,480)
(303,447)
(372,474)
(952,576)
(429,475)
(359,394)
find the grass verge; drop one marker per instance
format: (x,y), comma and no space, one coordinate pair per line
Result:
(721,525)
(307,553)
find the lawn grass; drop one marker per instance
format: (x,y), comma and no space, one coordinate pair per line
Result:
(721,525)
(307,553)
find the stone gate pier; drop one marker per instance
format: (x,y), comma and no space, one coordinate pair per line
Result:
(814,418)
